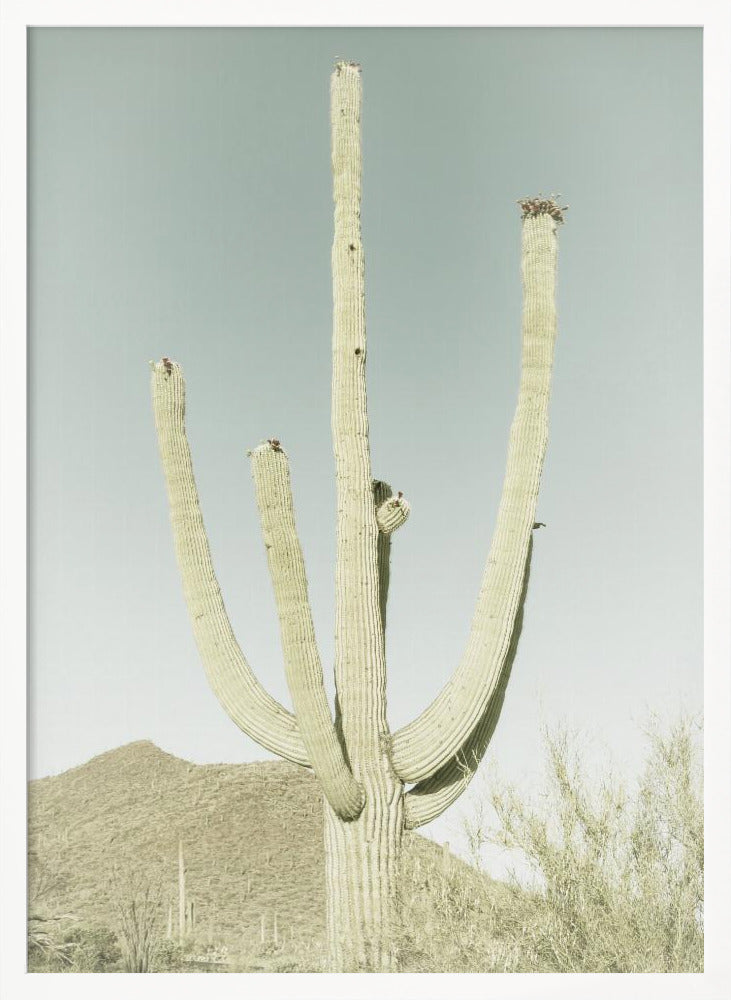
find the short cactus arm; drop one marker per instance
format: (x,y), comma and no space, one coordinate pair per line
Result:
(425,745)
(270,469)
(391,512)
(248,704)
(430,798)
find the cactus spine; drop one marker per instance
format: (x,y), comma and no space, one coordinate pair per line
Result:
(362,767)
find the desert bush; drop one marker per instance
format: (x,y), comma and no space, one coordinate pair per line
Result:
(56,946)
(617,876)
(137,903)
(612,879)
(96,948)
(295,956)
(48,948)
(167,956)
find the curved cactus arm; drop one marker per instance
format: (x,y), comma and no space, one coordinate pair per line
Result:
(252,709)
(270,469)
(425,745)
(430,798)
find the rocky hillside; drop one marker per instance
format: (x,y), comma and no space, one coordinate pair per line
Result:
(251,833)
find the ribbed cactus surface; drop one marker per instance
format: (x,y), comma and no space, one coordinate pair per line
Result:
(362,767)
(431,740)
(270,470)
(249,705)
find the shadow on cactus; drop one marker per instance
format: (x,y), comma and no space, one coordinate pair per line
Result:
(362,766)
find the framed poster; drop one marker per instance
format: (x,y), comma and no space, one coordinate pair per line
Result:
(180,185)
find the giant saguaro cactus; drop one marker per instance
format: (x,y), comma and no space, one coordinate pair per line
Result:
(364,768)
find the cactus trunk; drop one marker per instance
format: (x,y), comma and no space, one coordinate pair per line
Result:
(362,863)
(361,766)
(361,856)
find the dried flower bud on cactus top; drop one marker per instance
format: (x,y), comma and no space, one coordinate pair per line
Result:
(530,207)
(343,64)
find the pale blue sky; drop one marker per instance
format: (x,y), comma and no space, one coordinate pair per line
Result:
(180,204)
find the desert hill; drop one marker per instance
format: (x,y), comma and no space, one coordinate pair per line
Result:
(252,842)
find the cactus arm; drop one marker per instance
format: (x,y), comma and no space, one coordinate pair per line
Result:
(391,513)
(425,745)
(360,668)
(382,492)
(430,798)
(270,470)
(252,709)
